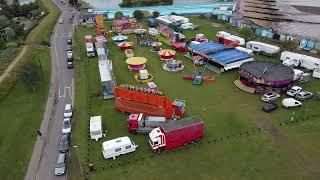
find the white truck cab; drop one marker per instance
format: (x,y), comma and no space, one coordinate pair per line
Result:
(157,139)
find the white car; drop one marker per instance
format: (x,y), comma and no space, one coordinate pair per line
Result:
(61,21)
(303,95)
(272,96)
(67,111)
(66,126)
(290,102)
(294,90)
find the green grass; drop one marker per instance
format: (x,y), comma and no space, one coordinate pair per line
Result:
(226,110)
(6,56)
(21,113)
(44,30)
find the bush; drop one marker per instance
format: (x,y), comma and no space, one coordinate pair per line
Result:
(8,54)
(246,33)
(290,45)
(155,14)
(11,45)
(30,75)
(138,14)
(45,43)
(118,14)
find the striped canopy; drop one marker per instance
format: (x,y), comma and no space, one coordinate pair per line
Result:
(125,44)
(167,53)
(119,38)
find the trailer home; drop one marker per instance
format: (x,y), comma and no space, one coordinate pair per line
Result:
(263,48)
(107,79)
(118,146)
(96,131)
(299,60)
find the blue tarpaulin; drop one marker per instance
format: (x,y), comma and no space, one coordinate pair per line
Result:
(207,47)
(229,56)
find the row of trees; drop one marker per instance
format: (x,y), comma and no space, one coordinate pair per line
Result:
(136,3)
(138,14)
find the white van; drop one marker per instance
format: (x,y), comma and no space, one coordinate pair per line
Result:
(118,146)
(96,127)
(263,48)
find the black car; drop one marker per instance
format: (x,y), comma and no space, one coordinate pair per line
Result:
(70,63)
(64,143)
(269,107)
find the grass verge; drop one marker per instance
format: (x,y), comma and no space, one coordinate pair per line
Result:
(21,113)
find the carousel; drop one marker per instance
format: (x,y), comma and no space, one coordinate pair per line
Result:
(119,38)
(136,63)
(166,54)
(173,66)
(125,45)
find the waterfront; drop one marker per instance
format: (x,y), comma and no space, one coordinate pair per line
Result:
(285,6)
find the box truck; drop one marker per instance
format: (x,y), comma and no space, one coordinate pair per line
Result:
(175,134)
(139,123)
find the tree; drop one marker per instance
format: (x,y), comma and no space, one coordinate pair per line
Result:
(246,33)
(155,14)
(138,14)
(290,45)
(10,34)
(30,75)
(173,13)
(71,2)
(3,21)
(118,14)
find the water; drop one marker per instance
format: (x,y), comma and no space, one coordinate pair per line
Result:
(299,29)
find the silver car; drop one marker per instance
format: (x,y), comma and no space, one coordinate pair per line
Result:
(60,168)
(268,97)
(303,95)
(66,126)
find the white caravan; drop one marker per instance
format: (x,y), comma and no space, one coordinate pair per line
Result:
(96,127)
(90,50)
(118,146)
(222,34)
(299,60)
(263,48)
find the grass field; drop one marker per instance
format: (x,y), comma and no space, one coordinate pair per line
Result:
(233,117)
(21,109)
(20,115)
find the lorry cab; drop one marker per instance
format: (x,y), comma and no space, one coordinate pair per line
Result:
(156,139)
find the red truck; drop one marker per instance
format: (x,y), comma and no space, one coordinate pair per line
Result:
(175,134)
(139,123)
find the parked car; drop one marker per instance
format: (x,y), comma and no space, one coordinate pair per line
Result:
(67,111)
(69,40)
(69,54)
(268,97)
(60,168)
(66,126)
(61,21)
(269,107)
(70,63)
(64,143)
(69,47)
(303,95)
(294,90)
(290,102)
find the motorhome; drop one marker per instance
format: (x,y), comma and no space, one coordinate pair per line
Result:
(96,127)
(263,48)
(118,146)
(299,60)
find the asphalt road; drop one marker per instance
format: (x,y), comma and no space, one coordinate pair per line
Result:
(45,153)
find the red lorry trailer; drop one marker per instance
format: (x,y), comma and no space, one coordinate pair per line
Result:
(175,134)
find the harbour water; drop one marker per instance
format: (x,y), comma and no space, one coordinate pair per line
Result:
(285,6)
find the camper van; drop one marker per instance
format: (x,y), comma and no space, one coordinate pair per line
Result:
(263,48)
(299,60)
(118,146)
(95,127)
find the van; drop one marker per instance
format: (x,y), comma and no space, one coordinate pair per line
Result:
(263,48)
(118,146)
(96,127)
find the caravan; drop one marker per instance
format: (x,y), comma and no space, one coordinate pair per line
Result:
(299,60)
(96,127)
(227,38)
(118,146)
(263,48)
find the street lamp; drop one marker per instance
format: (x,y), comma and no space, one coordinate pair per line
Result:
(76,147)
